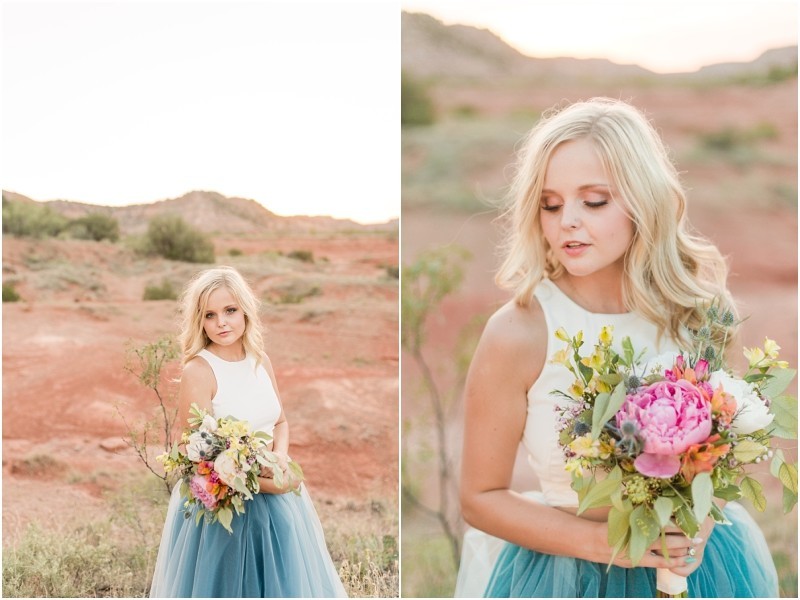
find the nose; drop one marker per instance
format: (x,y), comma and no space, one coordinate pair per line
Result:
(221,321)
(570,215)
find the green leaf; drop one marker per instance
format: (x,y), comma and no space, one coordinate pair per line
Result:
(718,516)
(586,372)
(627,349)
(263,435)
(599,494)
(622,543)
(198,515)
(644,531)
(296,470)
(238,504)
(747,451)
(612,379)
(225,516)
(684,517)
(788,476)
(780,380)
(789,500)
(729,493)
(618,525)
(775,465)
(785,423)
(616,500)
(663,510)
(173,453)
(702,495)
(611,404)
(751,489)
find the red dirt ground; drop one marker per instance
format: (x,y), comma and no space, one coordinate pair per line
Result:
(335,356)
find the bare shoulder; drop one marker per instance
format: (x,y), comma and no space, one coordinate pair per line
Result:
(515,339)
(198,378)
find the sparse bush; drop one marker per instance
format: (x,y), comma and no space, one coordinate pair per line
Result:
(416,106)
(10,293)
(235,252)
(165,291)
(31,220)
(393,271)
(293,292)
(303,255)
(171,237)
(95,226)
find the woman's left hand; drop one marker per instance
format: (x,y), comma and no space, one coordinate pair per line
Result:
(699,544)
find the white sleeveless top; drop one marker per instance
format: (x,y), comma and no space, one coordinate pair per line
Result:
(540,438)
(244,391)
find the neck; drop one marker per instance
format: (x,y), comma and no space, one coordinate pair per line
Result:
(232,353)
(598,293)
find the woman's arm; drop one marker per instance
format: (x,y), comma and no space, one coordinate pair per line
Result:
(508,360)
(198,385)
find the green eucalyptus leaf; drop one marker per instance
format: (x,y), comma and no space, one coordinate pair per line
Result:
(610,406)
(789,500)
(729,493)
(785,423)
(644,531)
(702,495)
(685,519)
(788,476)
(747,451)
(627,350)
(198,515)
(663,510)
(752,490)
(777,461)
(225,516)
(780,380)
(599,494)
(618,525)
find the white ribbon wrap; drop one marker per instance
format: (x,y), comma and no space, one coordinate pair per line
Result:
(670,583)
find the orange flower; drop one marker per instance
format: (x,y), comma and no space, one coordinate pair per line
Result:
(701,458)
(723,405)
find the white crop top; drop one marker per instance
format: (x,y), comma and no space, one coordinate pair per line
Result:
(244,391)
(540,438)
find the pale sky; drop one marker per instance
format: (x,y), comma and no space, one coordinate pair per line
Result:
(661,35)
(294,103)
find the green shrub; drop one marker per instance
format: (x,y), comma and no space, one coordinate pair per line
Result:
(31,220)
(10,293)
(393,271)
(416,106)
(95,226)
(165,291)
(171,237)
(303,255)
(235,252)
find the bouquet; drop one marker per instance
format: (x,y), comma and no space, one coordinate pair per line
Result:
(219,461)
(668,435)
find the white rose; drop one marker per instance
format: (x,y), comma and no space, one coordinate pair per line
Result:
(751,412)
(209,424)
(198,447)
(663,362)
(227,468)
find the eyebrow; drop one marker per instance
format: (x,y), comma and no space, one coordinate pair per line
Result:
(583,187)
(208,310)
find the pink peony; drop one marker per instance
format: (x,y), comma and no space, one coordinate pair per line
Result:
(670,416)
(197,485)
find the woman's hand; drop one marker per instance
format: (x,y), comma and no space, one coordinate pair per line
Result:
(267,485)
(684,554)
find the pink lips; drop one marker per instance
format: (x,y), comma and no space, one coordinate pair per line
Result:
(576,249)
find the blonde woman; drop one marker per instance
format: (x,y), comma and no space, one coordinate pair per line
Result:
(277,548)
(598,236)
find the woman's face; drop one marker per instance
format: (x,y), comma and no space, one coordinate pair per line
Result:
(582,220)
(223,320)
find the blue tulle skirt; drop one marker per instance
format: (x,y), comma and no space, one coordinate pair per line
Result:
(736,564)
(276,550)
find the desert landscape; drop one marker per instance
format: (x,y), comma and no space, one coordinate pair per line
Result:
(732,130)
(330,291)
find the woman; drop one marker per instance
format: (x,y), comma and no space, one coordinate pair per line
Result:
(277,548)
(598,237)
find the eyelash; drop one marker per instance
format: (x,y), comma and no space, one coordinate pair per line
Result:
(230,311)
(598,204)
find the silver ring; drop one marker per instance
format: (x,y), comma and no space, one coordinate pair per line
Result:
(692,551)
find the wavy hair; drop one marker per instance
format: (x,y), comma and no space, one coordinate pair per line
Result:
(671,273)
(193,304)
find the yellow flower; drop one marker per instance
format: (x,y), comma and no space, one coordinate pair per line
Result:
(607,448)
(754,356)
(595,361)
(579,337)
(585,447)
(560,358)
(781,364)
(606,335)
(576,389)
(574,466)
(602,386)
(562,334)
(771,348)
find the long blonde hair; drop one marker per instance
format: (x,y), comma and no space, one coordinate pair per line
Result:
(671,273)
(193,304)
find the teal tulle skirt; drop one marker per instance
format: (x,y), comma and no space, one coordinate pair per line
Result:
(736,564)
(276,550)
